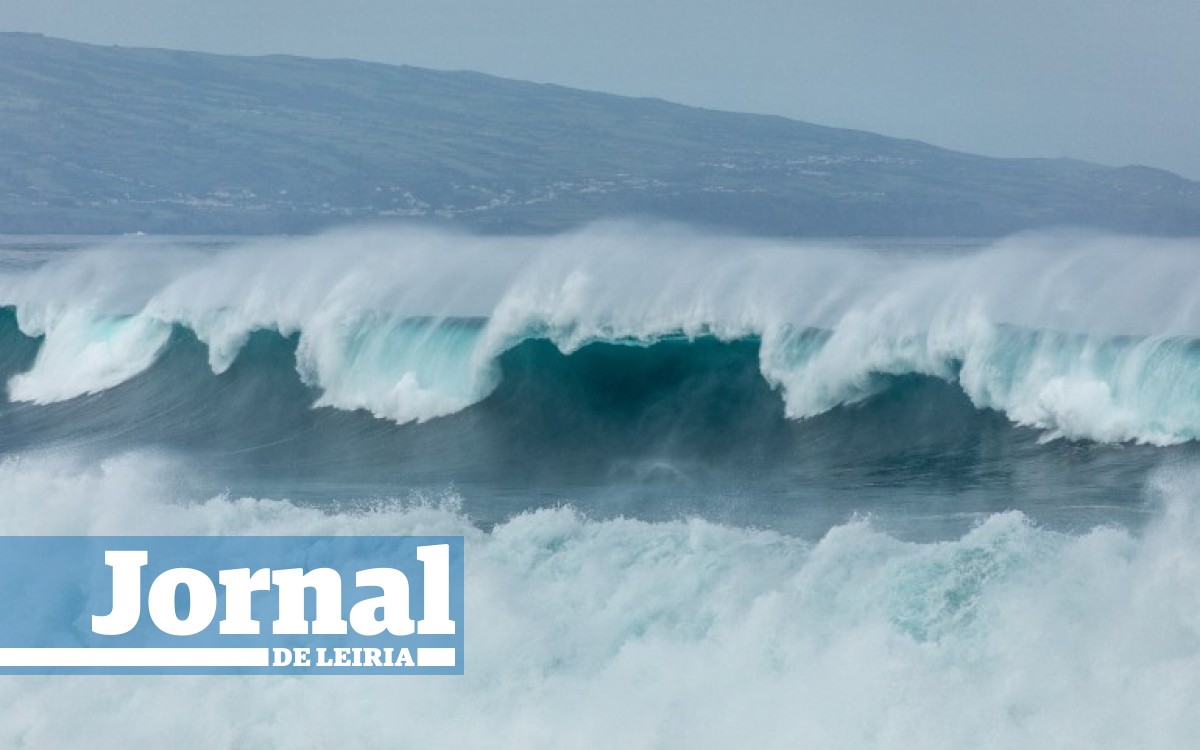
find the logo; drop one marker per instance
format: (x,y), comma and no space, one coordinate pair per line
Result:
(231,605)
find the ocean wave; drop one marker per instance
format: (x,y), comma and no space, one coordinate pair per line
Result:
(1083,338)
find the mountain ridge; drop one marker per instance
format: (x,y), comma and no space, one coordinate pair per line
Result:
(98,139)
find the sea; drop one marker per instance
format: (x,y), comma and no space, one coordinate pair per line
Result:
(716,491)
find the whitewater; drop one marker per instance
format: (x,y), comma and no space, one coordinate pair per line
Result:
(715,491)
(681,634)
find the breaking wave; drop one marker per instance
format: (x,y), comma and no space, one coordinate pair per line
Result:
(1082,338)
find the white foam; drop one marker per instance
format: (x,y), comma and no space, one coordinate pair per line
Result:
(685,634)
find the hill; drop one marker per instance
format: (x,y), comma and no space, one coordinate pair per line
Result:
(107,139)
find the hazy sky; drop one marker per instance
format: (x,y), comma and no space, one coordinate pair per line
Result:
(1114,81)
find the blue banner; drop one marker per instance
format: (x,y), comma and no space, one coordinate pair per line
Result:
(231,605)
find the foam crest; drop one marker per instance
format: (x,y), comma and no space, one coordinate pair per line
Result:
(408,369)
(83,353)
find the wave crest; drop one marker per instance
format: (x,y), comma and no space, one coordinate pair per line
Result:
(1090,338)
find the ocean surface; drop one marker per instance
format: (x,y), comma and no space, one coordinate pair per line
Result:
(716,491)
